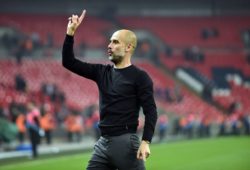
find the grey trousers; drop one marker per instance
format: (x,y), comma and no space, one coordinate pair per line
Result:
(116,153)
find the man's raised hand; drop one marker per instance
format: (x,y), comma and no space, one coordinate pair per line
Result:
(74,22)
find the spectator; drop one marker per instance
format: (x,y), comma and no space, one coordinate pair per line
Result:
(95,120)
(47,122)
(246,38)
(246,123)
(74,126)
(50,40)
(35,38)
(168,50)
(194,54)
(177,93)
(33,126)
(207,33)
(248,58)
(168,95)
(69,121)
(20,83)
(20,122)
(162,126)
(20,51)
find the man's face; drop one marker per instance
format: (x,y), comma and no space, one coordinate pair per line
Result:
(116,48)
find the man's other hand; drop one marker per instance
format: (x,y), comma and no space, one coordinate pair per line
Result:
(143,151)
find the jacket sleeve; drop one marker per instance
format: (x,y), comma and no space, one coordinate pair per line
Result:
(81,68)
(147,102)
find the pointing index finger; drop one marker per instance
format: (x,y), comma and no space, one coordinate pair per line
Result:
(82,15)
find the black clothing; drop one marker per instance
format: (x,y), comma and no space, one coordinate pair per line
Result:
(35,140)
(121,92)
(106,157)
(48,136)
(20,83)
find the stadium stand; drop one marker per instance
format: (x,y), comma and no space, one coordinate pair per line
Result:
(92,36)
(221,66)
(223,49)
(37,72)
(182,32)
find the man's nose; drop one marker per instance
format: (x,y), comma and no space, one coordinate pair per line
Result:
(110,45)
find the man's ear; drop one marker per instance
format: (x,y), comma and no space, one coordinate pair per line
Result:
(129,46)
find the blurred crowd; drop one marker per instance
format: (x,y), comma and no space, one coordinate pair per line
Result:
(43,116)
(196,125)
(20,45)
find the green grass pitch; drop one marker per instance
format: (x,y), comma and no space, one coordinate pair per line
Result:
(230,153)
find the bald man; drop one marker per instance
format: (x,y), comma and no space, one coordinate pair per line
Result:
(123,89)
